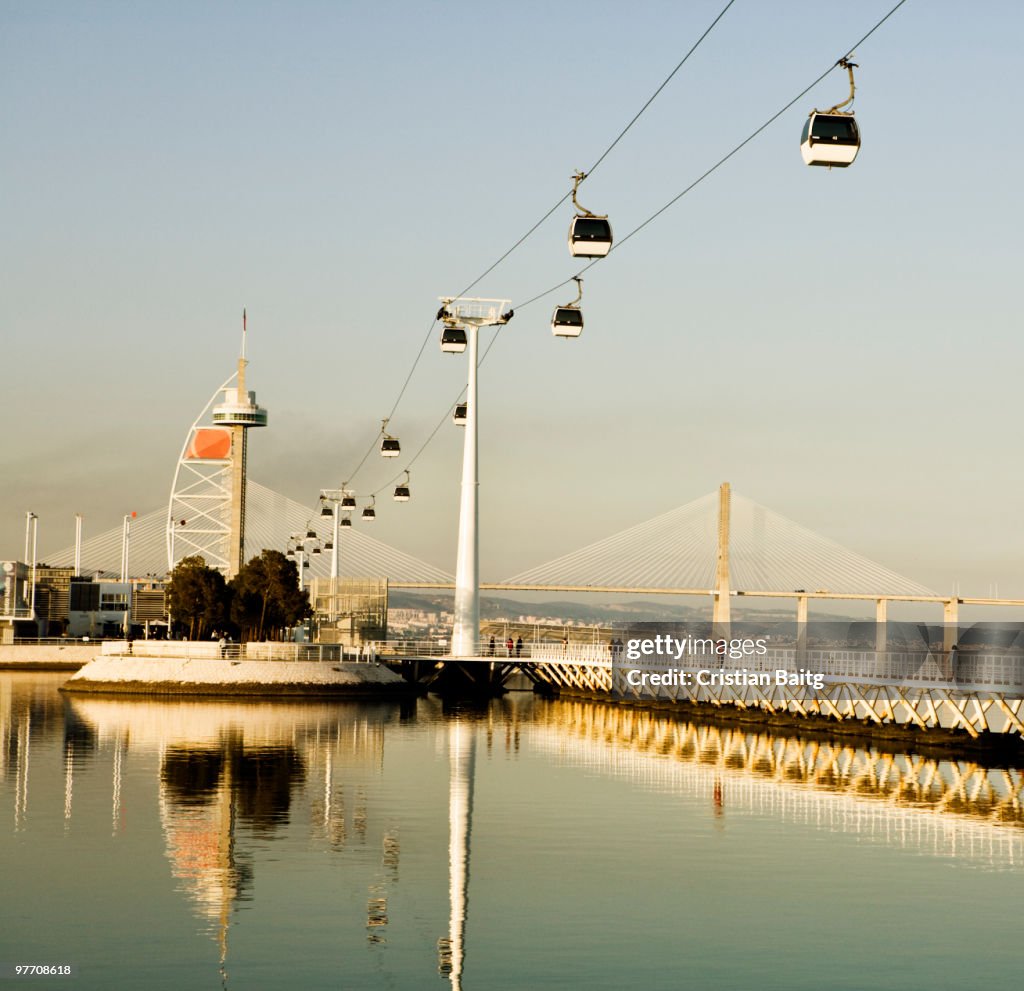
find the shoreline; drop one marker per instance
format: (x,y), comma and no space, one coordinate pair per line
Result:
(147,676)
(240,690)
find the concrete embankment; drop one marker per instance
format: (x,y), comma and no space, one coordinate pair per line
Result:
(47,656)
(141,675)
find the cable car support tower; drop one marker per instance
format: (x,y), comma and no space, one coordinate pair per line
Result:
(471,314)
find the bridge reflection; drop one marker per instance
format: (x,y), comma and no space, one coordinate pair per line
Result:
(943,807)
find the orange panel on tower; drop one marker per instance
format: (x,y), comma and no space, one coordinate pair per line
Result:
(210,444)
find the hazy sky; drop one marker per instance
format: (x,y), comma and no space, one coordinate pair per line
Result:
(844,347)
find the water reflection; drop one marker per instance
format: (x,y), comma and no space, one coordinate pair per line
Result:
(949,808)
(234,779)
(199,797)
(451,949)
(230,766)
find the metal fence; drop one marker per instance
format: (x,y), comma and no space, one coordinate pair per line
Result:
(257,651)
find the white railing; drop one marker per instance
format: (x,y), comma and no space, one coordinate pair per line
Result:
(969,671)
(500,650)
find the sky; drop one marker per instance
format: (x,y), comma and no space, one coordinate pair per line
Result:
(839,345)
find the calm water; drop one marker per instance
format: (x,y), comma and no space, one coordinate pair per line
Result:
(527,844)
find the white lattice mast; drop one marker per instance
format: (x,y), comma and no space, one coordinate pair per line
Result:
(206,513)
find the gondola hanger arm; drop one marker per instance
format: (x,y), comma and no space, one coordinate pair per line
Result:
(849,67)
(577,178)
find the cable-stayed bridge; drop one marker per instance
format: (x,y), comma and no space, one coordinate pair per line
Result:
(719,547)
(680,551)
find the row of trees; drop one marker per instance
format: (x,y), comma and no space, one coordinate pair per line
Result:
(259,603)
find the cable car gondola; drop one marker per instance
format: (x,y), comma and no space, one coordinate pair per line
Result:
(346,521)
(831,137)
(453,339)
(369,513)
(567,320)
(590,234)
(325,510)
(402,490)
(459,416)
(348,501)
(389,446)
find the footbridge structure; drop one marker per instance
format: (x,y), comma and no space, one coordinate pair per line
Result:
(722,547)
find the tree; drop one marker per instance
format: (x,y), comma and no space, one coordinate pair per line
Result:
(197,598)
(267,596)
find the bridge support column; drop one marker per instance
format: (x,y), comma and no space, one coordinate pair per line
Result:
(801,629)
(950,619)
(722,607)
(881,629)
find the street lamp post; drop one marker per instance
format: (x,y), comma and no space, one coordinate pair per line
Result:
(126,529)
(472,314)
(32,527)
(126,533)
(78,544)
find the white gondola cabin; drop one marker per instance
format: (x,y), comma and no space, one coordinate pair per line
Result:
(453,340)
(831,137)
(567,321)
(832,140)
(345,521)
(459,416)
(402,490)
(389,447)
(348,502)
(590,234)
(590,237)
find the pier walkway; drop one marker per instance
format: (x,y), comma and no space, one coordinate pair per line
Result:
(973,692)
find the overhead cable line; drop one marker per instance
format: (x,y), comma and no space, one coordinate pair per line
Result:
(636,230)
(725,158)
(540,222)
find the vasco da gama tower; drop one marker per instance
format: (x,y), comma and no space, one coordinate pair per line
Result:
(206,512)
